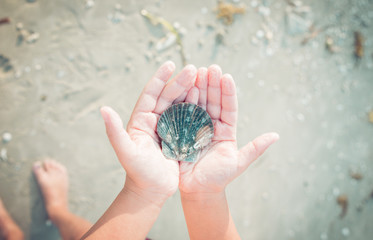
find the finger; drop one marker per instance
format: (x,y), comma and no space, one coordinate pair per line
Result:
(214,92)
(149,96)
(181,98)
(254,149)
(201,83)
(192,96)
(181,83)
(228,101)
(118,137)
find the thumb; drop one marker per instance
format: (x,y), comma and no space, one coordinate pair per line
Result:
(118,137)
(249,153)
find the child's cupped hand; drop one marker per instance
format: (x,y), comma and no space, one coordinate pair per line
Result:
(148,172)
(221,161)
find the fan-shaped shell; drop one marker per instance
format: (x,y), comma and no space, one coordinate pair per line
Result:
(185,129)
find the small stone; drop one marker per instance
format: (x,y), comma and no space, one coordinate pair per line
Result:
(250,75)
(33,37)
(60,74)
(166,42)
(4,154)
(261,83)
(264,11)
(356,175)
(48,223)
(269,35)
(176,25)
(37,67)
(336,191)
(7,137)
(254,3)
(300,117)
(324,236)
(19,26)
(43,98)
(370,117)
(254,41)
(269,51)
(89,4)
(345,231)
(260,34)
(204,10)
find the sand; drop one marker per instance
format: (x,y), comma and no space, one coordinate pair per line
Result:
(89,56)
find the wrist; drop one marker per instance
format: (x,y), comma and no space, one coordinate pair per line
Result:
(145,195)
(202,196)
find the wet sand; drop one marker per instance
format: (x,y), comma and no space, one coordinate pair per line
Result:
(85,56)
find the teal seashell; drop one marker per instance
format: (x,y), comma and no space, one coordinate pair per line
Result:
(185,129)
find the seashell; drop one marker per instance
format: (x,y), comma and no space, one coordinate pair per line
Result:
(185,129)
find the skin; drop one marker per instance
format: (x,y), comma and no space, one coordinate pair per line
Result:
(53,182)
(9,230)
(52,179)
(202,184)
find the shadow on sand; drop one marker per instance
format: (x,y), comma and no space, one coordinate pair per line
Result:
(41,227)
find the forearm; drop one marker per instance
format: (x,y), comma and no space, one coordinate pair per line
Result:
(208,216)
(130,216)
(71,227)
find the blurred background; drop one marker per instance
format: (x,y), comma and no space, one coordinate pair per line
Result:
(302,68)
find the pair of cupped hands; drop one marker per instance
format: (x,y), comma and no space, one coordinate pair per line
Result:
(148,173)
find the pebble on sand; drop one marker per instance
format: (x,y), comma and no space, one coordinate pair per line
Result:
(370,116)
(7,137)
(3,154)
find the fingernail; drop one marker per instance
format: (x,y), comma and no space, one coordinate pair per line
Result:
(192,70)
(105,115)
(276,136)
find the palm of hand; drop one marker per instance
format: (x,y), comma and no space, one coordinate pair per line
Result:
(218,163)
(151,170)
(216,167)
(221,162)
(138,148)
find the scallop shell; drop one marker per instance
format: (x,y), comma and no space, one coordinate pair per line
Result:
(185,129)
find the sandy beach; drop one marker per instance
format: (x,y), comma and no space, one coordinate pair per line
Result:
(302,68)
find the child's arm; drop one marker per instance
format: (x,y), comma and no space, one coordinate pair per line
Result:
(150,177)
(208,217)
(202,184)
(130,216)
